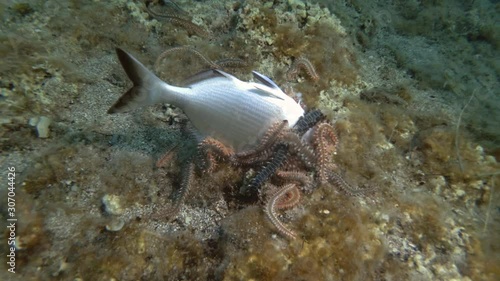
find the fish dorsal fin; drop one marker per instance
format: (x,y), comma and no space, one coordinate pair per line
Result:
(202,76)
(265,80)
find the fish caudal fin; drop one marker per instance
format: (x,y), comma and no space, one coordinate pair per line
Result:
(147,89)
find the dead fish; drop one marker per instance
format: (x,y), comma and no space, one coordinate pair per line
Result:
(219,105)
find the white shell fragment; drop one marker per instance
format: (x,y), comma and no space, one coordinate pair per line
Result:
(41,124)
(112,204)
(116,224)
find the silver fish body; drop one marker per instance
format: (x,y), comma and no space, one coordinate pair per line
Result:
(219,105)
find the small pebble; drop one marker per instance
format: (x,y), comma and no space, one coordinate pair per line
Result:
(115,224)
(112,204)
(41,124)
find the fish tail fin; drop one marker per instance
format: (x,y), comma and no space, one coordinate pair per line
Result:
(148,89)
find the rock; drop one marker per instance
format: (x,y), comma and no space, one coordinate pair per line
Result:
(112,204)
(115,224)
(41,124)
